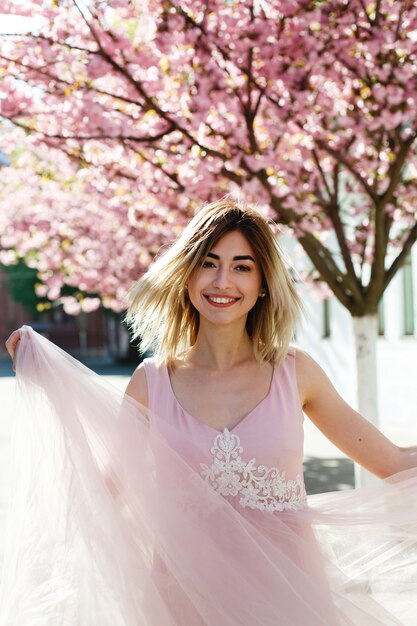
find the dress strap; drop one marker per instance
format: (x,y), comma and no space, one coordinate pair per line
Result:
(154,381)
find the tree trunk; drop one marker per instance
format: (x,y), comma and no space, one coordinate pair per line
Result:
(365,329)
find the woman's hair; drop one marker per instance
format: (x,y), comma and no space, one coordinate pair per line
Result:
(160,312)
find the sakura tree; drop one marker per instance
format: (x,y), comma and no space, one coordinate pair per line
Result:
(75,227)
(308,107)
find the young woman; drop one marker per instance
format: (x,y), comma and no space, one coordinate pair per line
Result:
(195,476)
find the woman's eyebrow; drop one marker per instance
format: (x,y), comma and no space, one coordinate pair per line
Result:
(241,257)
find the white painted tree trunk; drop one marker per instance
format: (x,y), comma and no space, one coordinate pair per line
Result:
(366,332)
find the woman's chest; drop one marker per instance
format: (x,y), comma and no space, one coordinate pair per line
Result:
(258,461)
(221,401)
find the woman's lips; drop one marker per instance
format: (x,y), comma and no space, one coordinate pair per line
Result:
(221,302)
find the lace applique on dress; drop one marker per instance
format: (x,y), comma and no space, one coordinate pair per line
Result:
(259,487)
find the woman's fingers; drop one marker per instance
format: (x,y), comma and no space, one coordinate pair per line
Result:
(11,345)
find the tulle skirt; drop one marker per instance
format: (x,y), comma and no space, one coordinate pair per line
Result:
(109,526)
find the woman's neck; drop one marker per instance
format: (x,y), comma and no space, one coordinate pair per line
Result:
(220,348)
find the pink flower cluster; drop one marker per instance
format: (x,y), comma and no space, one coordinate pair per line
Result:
(140,110)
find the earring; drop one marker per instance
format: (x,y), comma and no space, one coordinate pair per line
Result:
(262,293)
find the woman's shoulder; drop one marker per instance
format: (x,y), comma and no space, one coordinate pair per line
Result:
(137,387)
(304,362)
(312,380)
(291,352)
(150,362)
(293,356)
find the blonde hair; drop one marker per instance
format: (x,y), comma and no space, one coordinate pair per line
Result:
(161,314)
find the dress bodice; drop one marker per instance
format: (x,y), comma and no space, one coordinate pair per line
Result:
(258,463)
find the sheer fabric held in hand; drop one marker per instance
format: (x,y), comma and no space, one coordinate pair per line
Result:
(111,525)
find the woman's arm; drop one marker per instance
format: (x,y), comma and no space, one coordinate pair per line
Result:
(346,428)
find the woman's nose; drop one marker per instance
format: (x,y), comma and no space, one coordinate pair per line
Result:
(222,279)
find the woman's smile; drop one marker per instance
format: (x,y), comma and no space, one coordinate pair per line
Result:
(221,301)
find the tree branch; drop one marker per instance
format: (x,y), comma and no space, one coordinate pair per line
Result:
(363,5)
(344,161)
(149,100)
(400,259)
(123,138)
(329,192)
(377,12)
(395,170)
(382,224)
(332,209)
(68,83)
(346,290)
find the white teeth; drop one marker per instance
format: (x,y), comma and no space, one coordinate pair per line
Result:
(221,300)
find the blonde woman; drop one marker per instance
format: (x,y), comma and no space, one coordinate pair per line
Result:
(203,481)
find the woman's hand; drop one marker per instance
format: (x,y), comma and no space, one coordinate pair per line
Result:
(11,345)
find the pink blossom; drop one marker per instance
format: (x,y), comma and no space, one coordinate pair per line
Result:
(128,131)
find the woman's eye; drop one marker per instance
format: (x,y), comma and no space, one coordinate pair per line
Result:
(207,264)
(243,268)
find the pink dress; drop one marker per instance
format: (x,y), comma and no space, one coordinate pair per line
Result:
(259,463)
(123,516)
(257,466)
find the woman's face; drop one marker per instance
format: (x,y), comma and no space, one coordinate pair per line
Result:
(228,282)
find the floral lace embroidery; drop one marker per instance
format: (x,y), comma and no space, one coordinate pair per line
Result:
(259,487)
